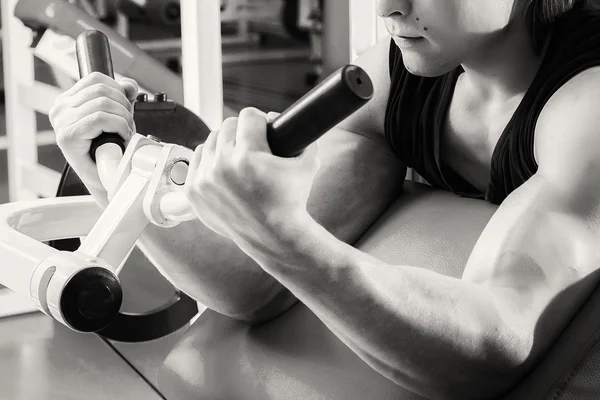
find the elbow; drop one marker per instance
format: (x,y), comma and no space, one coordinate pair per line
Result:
(485,384)
(503,360)
(488,370)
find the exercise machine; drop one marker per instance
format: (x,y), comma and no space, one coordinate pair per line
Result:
(243,22)
(156,12)
(81,289)
(68,19)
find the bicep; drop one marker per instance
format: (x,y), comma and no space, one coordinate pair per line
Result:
(358,178)
(535,260)
(359,174)
(539,251)
(531,243)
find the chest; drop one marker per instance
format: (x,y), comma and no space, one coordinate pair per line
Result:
(471,131)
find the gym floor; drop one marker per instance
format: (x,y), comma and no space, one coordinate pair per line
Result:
(64,364)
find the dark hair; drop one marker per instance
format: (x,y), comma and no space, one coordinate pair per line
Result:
(541,14)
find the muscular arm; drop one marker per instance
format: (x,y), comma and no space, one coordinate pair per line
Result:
(359,176)
(532,267)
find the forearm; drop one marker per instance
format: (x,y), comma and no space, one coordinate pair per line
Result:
(358,179)
(211,269)
(215,272)
(436,335)
(225,279)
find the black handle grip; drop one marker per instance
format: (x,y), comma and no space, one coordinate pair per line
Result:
(327,104)
(93,55)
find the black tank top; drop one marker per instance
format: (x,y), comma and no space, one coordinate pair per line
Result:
(417,110)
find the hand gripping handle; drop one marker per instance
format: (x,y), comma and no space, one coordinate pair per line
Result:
(93,55)
(327,104)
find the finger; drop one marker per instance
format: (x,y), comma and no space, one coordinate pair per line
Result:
(98,91)
(226,136)
(87,93)
(90,80)
(208,149)
(97,105)
(194,165)
(271,115)
(91,126)
(131,88)
(252,131)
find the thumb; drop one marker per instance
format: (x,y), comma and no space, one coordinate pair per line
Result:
(251,130)
(130,87)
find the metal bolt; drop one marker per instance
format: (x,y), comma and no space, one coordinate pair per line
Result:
(179,172)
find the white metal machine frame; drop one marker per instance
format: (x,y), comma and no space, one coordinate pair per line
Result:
(203,94)
(145,185)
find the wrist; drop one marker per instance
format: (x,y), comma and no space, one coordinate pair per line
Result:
(282,234)
(308,256)
(290,227)
(299,241)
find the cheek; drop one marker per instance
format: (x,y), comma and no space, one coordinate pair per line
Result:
(485,17)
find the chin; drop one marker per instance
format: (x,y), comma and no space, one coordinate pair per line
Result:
(427,67)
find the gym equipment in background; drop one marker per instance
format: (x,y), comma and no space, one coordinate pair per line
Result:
(70,20)
(161,12)
(248,22)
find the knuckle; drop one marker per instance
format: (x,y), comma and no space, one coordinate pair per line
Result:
(100,90)
(95,77)
(104,103)
(61,138)
(57,107)
(229,123)
(65,138)
(248,111)
(96,116)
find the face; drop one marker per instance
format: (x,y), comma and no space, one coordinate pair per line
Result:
(436,36)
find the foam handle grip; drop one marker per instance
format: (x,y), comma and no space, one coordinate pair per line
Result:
(93,55)
(327,104)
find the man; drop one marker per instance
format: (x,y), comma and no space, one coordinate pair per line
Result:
(496,100)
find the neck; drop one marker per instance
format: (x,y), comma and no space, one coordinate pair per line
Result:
(506,66)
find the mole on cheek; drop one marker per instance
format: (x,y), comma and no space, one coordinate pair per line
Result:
(417,18)
(424,28)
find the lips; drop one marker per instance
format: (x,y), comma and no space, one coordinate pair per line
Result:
(407,42)
(405,35)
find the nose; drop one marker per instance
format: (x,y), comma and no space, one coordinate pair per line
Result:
(386,8)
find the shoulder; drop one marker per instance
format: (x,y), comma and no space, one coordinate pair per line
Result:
(567,137)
